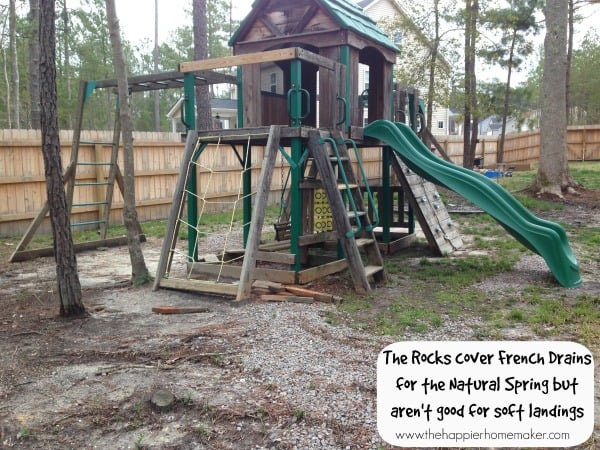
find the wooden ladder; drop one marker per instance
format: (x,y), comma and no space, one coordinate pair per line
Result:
(70,178)
(354,229)
(103,186)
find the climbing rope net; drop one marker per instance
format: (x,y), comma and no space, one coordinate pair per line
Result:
(211,247)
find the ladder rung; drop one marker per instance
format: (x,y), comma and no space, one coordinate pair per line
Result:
(342,186)
(96,142)
(352,215)
(94,163)
(74,205)
(93,222)
(341,158)
(363,242)
(95,183)
(372,270)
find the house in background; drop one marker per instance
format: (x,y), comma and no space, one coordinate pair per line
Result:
(224,114)
(411,41)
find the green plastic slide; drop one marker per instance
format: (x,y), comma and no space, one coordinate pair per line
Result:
(547,239)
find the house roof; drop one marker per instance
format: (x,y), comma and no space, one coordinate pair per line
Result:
(347,14)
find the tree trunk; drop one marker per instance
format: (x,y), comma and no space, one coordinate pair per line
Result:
(69,288)
(203,110)
(470,120)
(34,63)
(67,56)
(570,56)
(139,271)
(14,65)
(553,176)
(433,63)
(500,154)
(155,57)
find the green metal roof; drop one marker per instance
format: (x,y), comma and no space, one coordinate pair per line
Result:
(347,14)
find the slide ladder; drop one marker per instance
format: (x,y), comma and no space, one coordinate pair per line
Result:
(543,237)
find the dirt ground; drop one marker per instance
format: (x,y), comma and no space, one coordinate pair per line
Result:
(88,383)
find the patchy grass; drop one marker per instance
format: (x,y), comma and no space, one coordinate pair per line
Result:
(209,223)
(424,291)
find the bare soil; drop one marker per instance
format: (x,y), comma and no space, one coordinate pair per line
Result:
(88,382)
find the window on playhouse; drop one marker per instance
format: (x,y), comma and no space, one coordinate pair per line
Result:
(441,124)
(273,83)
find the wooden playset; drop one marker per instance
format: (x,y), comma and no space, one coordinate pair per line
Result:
(298,96)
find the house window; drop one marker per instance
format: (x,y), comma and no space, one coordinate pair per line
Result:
(441,124)
(274,83)
(398,38)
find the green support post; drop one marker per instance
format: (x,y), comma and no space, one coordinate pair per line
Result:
(189,120)
(246,160)
(295,109)
(386,194)
(345,59)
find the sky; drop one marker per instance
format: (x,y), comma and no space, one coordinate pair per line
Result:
(137,24)
(136,17)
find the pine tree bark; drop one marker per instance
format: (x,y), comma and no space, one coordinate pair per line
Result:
(471,123)
(67,56)
(505,107)
(139,271)
(34,64)
(203,109)
(14,66)
(69,287)
(433,63)
(553,176)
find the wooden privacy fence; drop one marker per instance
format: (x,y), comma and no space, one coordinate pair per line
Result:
(523,149)
(157,157)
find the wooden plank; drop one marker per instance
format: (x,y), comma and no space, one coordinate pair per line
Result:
(176,211)
(275,275)
(372,270)
(318,296)
(225,270)
(26,255)
(205,287)
(316,273)
(268,285)
(286,298)
(258,213)
(178,310)
(239,60)
(398,244)
(275,246)
(276,257)
(284,54)
(317,238)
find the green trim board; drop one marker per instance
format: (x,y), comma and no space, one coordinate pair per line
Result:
(543,237)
